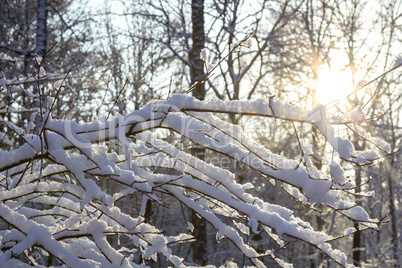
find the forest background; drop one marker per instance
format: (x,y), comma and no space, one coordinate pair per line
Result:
(111,58)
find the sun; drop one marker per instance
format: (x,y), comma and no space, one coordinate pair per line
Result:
(333,86)
(334,82)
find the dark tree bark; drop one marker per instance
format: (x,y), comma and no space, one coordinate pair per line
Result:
(198,38)
(356,246)
(197,73)
(41,30)
(40,49)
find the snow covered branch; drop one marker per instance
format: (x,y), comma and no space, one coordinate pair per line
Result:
(54,183)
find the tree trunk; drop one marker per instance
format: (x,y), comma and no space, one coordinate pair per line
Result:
(392,207)
(198,37)
(394,222)
(41,30)
(356,246)
(41,40)
(197,72)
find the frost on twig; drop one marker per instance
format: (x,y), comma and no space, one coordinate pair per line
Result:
(243,42)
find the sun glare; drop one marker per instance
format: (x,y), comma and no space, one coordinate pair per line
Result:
(333,86)
(334,83)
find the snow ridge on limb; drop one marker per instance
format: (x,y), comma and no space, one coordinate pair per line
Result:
(60,187)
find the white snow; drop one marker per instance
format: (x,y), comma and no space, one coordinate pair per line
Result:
(127,151)
(349,231)
(337,173)
(398,62)
(357,115)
